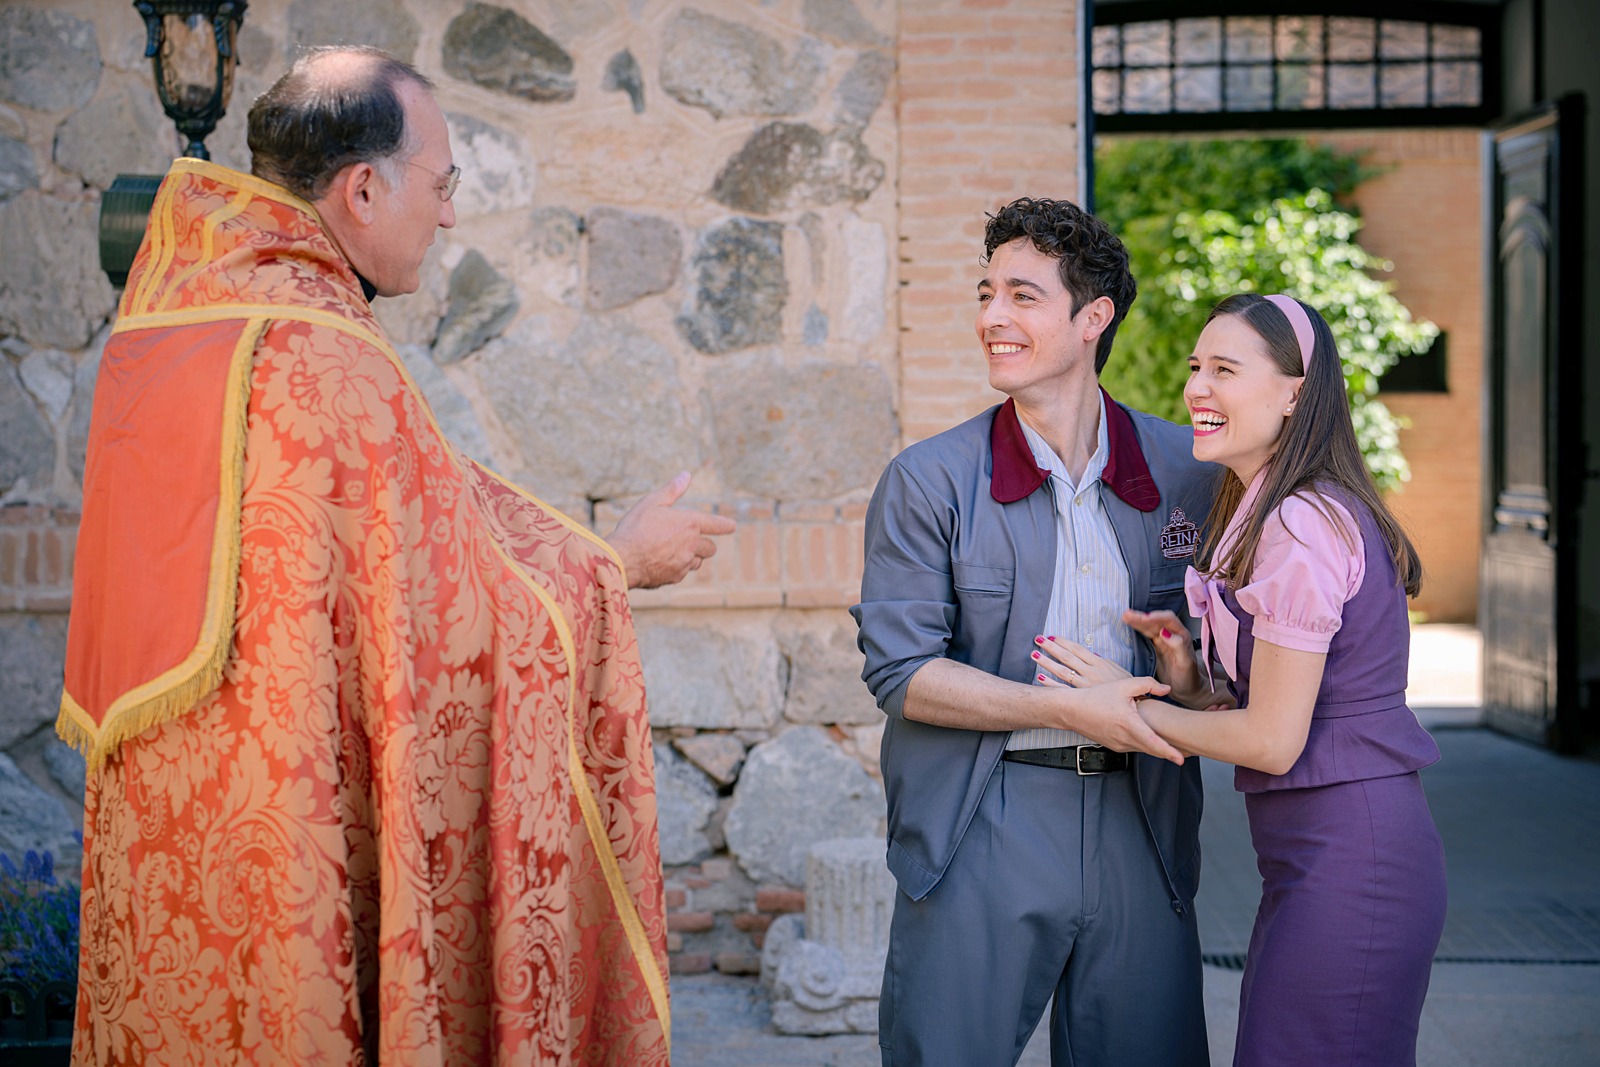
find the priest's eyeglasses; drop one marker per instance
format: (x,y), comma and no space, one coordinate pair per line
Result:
(449,180)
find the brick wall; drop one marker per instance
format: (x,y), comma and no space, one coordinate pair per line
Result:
(717,919)
(795,555)
(988,113)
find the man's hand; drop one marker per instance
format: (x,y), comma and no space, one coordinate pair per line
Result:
(660,544)
(1108,714)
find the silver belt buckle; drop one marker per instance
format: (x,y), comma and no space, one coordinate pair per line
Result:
(1077,758)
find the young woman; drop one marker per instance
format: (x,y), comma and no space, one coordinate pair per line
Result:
(1301,596)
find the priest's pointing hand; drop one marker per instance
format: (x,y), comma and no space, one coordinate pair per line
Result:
(660,544)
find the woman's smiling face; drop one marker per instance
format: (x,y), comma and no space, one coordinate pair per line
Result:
(1237,397)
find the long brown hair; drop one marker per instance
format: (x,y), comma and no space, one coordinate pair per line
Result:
(1318,450)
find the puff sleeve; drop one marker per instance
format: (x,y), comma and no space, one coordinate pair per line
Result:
(1310,561)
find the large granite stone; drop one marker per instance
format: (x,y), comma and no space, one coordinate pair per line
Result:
(866,250)
(499,49)
(49,60)
(82,407)
(498,170)
(811,432)
(544,253)
(814,329)
(449,404)
(865,743)
(685,799)
(46,374)
(67,766)
(623,75)
(32,650)
(27,444)
(841,21)
(740,287)
(599,415)
(630,256)
(730,69)
(719,755)
(570,20)
(787,165)
(17,171)
(32,819)
(796,790)
(382,23)
(824,670)
(726,676)
(482,302)
(862,88)
(52,291)
(122,131)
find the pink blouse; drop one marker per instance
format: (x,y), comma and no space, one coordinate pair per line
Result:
(1306,568)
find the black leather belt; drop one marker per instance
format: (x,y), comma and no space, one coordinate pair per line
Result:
(1085,759)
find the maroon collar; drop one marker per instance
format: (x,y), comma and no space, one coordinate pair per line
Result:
(1016,474)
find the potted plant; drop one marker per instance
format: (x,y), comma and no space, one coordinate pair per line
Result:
(38,962)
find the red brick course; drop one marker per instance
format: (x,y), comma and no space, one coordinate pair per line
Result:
(780,901)
(37,545)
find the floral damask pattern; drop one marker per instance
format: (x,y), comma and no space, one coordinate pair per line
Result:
(415,823)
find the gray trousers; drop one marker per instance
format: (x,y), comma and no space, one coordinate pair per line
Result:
(1055,897)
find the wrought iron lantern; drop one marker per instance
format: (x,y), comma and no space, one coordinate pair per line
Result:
(191,48)
(190,45)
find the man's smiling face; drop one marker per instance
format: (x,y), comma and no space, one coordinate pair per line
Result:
(1025,321)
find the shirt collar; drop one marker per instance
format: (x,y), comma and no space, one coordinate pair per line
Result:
(1045,456)
(1016,474)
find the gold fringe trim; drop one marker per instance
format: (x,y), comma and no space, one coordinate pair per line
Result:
(180,688)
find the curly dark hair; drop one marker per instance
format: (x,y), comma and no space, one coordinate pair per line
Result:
(309,126)
(1092,260)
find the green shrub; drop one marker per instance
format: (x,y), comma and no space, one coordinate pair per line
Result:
(1203,219)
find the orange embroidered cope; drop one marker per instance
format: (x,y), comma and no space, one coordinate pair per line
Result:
(370,769)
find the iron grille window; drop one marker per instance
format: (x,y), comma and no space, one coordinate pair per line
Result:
(1219,70)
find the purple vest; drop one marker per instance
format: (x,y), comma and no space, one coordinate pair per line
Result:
(1360,727)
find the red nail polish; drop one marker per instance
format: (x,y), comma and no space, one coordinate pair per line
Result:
(1041,677)
(1035,655)
(1038,640)
(1165,632)
(1052,637)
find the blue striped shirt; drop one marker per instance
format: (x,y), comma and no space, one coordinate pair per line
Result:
(1090,591)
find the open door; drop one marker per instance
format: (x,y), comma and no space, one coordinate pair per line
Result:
(1532,388)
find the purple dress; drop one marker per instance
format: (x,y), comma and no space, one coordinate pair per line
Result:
(1353,877)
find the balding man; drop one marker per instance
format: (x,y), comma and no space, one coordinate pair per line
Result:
(370,769)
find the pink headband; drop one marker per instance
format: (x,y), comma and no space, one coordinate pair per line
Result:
(1302,326)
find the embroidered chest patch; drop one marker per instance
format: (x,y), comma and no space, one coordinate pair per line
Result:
(1179,537)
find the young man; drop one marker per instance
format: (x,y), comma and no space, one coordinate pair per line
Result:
(1044,838)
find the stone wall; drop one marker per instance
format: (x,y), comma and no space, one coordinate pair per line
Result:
(734,238)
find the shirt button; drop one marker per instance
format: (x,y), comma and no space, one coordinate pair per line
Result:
(1084,569)
(1088,639)
(1077,501)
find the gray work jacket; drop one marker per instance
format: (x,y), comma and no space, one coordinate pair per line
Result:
(960,557)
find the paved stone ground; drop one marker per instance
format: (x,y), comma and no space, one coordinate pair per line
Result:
(1517,979)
